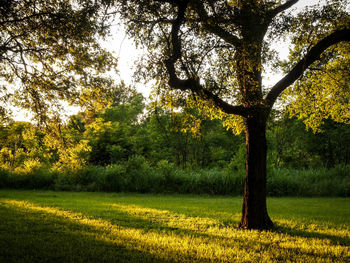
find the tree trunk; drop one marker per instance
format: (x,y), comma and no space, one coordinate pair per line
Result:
(254,211)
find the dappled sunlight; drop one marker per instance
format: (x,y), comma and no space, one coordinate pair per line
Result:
(316,229)
(171,219)
(216,228)
(191,239)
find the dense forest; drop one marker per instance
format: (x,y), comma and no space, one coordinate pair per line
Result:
(126,144)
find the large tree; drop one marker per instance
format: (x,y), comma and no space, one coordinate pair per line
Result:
(49,51)
(215,52)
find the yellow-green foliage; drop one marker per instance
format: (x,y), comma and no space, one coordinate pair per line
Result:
(22,150)
(71,149)
(323,93)
(179,237)
(195,111)
(29,165)
(6,158)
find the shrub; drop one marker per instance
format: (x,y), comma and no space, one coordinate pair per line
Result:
(4,178)
(64,181)
(41,178)
(138,174)
(115,178)
(311,182)
(282,185)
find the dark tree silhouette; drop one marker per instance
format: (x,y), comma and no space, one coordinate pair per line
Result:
(216,50)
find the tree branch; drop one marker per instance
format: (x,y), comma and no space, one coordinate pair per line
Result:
(191,83)
(311,56)
(195,87)
(17,20)
(160,20)
(212,25)
(283,7)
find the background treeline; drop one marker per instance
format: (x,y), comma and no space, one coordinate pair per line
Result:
(126,145)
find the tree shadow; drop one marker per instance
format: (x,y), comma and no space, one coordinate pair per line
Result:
(214,237)
(136,221)
(335,240)
(69,240)
(33,238)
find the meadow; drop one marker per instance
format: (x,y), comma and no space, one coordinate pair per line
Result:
(47,226)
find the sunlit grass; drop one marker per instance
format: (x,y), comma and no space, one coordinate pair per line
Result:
(152,228)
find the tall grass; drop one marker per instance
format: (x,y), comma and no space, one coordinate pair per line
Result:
(311,182)
(137,175)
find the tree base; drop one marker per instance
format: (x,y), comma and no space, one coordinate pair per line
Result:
(264,223)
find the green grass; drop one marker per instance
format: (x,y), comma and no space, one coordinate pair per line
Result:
(45,226)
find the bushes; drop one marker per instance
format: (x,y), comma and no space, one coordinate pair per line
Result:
(40,178)
(115,178)
(136,175)
(312,182)
(4,178)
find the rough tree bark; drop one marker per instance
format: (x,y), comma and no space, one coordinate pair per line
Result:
(254,210)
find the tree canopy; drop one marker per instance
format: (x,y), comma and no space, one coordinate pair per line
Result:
(49,51)
(205,48)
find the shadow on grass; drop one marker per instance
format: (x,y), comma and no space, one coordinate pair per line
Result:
(315,253)
(141,218)
(335,240)
(145,235)
(28,237)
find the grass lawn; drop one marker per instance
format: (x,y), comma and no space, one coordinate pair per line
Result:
(45,226)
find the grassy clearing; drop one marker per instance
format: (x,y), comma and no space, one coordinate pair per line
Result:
(44,226)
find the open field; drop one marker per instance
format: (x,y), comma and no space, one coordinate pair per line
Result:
(45,226)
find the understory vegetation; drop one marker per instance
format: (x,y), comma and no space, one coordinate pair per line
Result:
(123,145)
(46,226)
(137,175)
